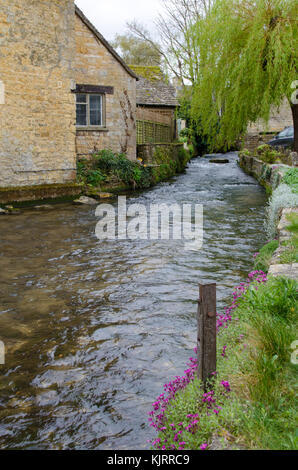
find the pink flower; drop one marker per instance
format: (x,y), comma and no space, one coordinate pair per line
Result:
(204,446)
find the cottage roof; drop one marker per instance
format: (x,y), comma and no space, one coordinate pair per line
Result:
(104,42)
(153,88)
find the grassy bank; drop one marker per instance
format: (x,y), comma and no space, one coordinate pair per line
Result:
(108,171)
(251,401)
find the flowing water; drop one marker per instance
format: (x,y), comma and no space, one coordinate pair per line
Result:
(93,329)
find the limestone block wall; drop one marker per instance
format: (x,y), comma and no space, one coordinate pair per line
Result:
(260,133)
(279,119)
(147,152)
(37,111)
(95,65)
(253,140)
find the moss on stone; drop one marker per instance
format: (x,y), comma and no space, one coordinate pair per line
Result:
(39,192)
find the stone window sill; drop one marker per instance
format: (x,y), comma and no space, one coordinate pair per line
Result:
(92,128)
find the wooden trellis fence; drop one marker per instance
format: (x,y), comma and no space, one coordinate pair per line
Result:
(153,132)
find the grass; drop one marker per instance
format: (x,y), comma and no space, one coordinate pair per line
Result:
(264,377)
(291,178)
(263,258)
(252,403)
(290,254)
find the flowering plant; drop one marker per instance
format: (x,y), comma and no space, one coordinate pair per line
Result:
(206,406)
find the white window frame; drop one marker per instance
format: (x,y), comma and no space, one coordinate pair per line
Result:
(102,110)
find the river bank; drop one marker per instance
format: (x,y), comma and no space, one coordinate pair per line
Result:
(281,182)
(105,173)
(250,402)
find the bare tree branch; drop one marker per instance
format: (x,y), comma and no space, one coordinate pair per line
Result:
(176,44)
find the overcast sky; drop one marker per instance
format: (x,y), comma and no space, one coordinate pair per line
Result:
(110,16)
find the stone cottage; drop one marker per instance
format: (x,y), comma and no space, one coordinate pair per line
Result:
(105,94)
(64,92)
(156,106)
(37,110)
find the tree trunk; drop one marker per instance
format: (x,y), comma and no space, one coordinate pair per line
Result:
(295,123)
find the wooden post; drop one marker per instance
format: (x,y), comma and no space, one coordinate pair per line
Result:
(206,332)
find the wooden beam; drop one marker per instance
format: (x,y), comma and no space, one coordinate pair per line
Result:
(95,89)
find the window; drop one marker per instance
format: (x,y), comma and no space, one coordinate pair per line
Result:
(288,132)
(89,110)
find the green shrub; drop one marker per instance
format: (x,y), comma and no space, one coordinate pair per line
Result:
(268,154)
(245,152)
(106,166)
(88,175)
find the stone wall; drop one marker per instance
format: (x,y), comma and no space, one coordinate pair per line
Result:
(95,65)
(260,132)
(147,151)
(262,172)
(253,141)
(279,119)
(37,114)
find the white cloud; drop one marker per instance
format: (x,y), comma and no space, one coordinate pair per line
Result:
(110,16)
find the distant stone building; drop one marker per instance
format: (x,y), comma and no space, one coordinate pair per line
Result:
(260,133)
(64,92)
(156,106)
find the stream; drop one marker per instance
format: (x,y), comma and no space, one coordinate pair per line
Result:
(93,329)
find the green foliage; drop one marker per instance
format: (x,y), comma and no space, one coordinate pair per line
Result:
(270,313)
(290,254)
(170,162)
(262,260)
(291,178)
(278,299)
(268,154)
(187,405)
(107,167)
(151,73)
(248,61)
(136,51)
(88,175)
(245,152)
(130,173)
(196,140)
(268,319)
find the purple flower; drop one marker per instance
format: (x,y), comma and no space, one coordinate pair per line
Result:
(157,417)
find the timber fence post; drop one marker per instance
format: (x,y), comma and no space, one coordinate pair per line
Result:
(206,343)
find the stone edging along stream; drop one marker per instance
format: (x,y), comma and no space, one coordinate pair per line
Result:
(270,176)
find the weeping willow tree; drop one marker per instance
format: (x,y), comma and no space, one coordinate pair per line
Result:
(248,64)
